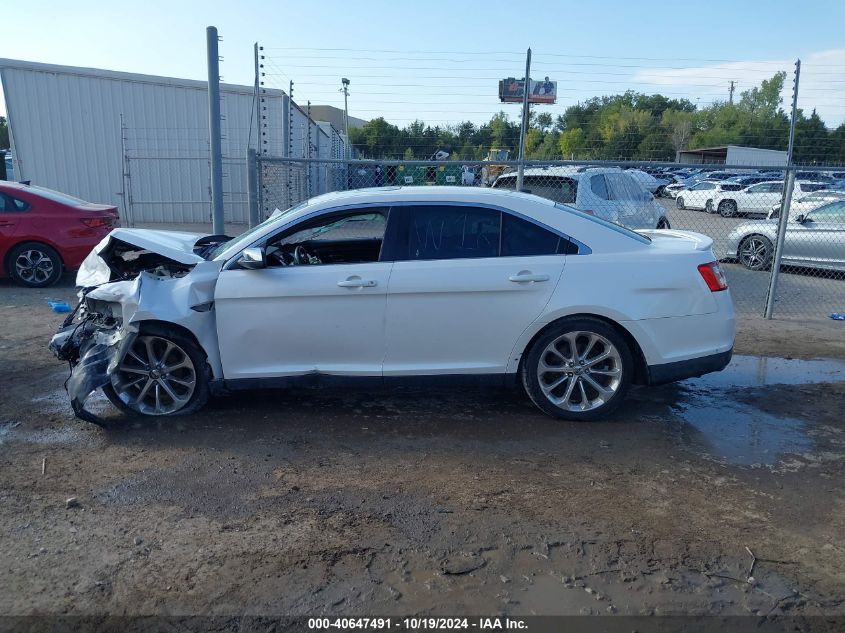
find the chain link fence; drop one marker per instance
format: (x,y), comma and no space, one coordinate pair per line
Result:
(740,208)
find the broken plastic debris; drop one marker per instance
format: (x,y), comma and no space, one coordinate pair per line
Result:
(58,305)
(838,316)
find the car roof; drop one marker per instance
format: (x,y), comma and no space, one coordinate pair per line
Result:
(387,195)
(563,171)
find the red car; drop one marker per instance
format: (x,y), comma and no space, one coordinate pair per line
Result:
(44,232)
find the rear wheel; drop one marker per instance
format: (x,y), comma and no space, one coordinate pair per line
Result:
(578,369)
(34,265)
(163,373)
(679,202)
(755,252)
(727,208)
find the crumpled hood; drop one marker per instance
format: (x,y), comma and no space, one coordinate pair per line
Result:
(176,246)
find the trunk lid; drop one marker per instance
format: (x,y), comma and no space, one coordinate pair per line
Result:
(678,241)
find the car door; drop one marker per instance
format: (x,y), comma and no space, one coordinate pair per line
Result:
(466,283)
(636,205)
(699,194)
(318,306)
(762,196)
(820,238)
(11,210)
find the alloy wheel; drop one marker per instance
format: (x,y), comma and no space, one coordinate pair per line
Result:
(580,371)
(155,377)
(754,253)
(34,266)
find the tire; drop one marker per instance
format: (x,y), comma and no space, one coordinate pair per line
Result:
(727,208)
(34,265)
(755,252)
(679,202)
(708,206)
(566,389)
(189,366)
(663,223)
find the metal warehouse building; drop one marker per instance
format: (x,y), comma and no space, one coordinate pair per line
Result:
(735,155)
(141,141)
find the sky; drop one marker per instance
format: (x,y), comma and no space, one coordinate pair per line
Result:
(439,61)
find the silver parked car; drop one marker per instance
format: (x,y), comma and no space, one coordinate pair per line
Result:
(815,239)
(606,192)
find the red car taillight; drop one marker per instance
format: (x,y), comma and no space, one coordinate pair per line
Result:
(98,223)
(713,276)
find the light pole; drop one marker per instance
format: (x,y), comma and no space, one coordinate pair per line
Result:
(345,90)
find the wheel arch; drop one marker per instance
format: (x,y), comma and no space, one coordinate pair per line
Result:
(7,256)
(154,326)
(640,363)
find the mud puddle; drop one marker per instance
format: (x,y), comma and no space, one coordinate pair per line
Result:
(717,424)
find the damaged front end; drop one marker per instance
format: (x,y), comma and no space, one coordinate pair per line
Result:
(130,277)
(93,344)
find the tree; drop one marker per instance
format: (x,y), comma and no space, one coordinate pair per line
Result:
(573,144)
(4,133)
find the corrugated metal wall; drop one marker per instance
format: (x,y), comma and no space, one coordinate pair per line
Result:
(66,135)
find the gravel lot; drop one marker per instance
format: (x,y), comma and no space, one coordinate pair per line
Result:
(431,502)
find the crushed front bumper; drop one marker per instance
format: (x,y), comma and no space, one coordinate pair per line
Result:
(93,354)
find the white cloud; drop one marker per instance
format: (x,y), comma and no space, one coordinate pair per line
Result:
(821,86)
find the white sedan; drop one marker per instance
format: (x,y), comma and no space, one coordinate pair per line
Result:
(398,283)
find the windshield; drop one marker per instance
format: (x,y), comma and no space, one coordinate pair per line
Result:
(611,225)
(227,249)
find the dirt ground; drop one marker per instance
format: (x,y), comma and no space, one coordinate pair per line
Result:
(430,501)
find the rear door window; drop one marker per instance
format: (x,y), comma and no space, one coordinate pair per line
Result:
(598,186)
(523,238)
(8,204)
(447,232)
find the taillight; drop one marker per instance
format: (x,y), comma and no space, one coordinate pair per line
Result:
(713,276)
(589,212)
(98,223)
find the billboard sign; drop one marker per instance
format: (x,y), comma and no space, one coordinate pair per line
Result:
(542,91)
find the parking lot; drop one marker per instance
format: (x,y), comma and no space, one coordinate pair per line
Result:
(430,502)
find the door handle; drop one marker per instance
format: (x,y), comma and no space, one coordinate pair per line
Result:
(357,283)
(525,277)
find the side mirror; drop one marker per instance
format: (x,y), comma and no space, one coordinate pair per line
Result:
(800,218)
(252,258)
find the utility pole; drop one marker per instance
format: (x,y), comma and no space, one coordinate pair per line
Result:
(289,147)
(214,133)
(523,128)
(783,220)
(731,94)
(345,90)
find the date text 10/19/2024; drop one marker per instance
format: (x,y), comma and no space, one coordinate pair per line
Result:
(417,624)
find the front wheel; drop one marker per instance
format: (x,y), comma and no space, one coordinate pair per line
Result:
(163,373)
(755,252)
(578,369)
(663,223)
(679,202)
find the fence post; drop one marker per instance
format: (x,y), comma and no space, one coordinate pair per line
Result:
(214,130)
(789,185)
(526,89)
(252,185)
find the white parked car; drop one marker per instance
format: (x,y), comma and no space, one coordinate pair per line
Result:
(606,192)
(759,198)
(700,194)
(399,283)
